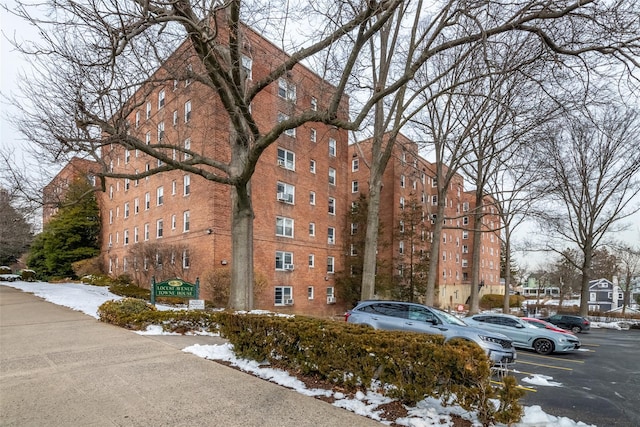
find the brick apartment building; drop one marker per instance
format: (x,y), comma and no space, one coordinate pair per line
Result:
(54,192)
(409,178)
(179,224)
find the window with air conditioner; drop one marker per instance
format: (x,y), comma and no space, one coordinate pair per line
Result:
(286,159)
(284,261)
(283,295)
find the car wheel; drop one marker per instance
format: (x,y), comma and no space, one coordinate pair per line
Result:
(543,346)
(576,329)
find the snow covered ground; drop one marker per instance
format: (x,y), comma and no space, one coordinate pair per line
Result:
(427,413)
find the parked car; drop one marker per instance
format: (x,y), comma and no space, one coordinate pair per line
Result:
(575,324)
(524,335)
(406,316)
(539,323)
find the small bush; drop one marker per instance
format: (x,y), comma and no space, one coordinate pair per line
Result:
(490,301)
(130,291)
(126,312)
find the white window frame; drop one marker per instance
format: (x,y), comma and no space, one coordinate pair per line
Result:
(161,99)
(285,192)
(332,147)
(332,176)
(187,111)
(283,258)
(284,227)
(186,221)
(286,159)
(159,229)
(282,294)
(160,196)
(312,229)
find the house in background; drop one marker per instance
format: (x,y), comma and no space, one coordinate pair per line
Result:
(604,295)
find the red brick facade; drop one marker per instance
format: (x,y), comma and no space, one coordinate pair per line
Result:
(291,186)
(408,177)
(54,192)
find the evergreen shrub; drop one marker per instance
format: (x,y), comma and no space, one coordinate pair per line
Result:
(403,365)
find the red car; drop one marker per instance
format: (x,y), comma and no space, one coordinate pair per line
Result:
(545,325)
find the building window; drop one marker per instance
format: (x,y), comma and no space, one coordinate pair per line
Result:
(174,187)
(283,295)
(286,159)
(355,165)
(402,181)
(146,232)
(161,99)
(284,260)
(352,250)
(332,147)
(314,104)
(312,260)
(126,210)
(159,229)
(137,119)
(284,227)
(285,192)
(126,237)
(312,197)
(312,166)
(175,118)
(247,67)
(354,228)
(330,265)
(127,156)
(332,206)
(147,201)
(282,118)
(160,196)
(187,111)
(160,131)
(186,260)
(465,249)
(310,292)
(465,235)
(330,293)
(173,222)
(401,202)
(401,247)
(434,200)
(186,185)
(332,176)
(465,207)
(312,229)
(185,219)
(465,220)
(313,135)
(148,110)
(286,89)
(354,186)
(331,235)
(136,237)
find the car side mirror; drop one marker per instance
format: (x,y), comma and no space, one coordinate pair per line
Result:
(519,326)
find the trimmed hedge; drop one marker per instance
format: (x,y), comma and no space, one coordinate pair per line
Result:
(403,365)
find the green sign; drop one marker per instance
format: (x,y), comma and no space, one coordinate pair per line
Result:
(174,288)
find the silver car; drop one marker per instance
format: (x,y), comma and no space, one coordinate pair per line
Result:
(524,335)
(406,316)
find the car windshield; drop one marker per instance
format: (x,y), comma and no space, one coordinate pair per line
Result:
(448,318)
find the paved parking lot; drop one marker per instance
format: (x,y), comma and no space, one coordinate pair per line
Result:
(598,385)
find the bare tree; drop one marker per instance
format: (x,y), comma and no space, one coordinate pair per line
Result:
(629,266)
(104,58)
(592,165)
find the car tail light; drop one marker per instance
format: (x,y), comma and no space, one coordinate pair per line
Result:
(346,316)
(586,322)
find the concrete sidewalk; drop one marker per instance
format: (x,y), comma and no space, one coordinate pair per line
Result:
(59,367)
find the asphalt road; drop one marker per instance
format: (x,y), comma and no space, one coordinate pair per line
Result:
(600,384)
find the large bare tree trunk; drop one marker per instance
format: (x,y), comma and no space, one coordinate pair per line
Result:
(241,295)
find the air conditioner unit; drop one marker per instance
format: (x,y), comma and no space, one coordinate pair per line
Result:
(288,267)
(288,302)
(331,300)
(283,197)
(281,163)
